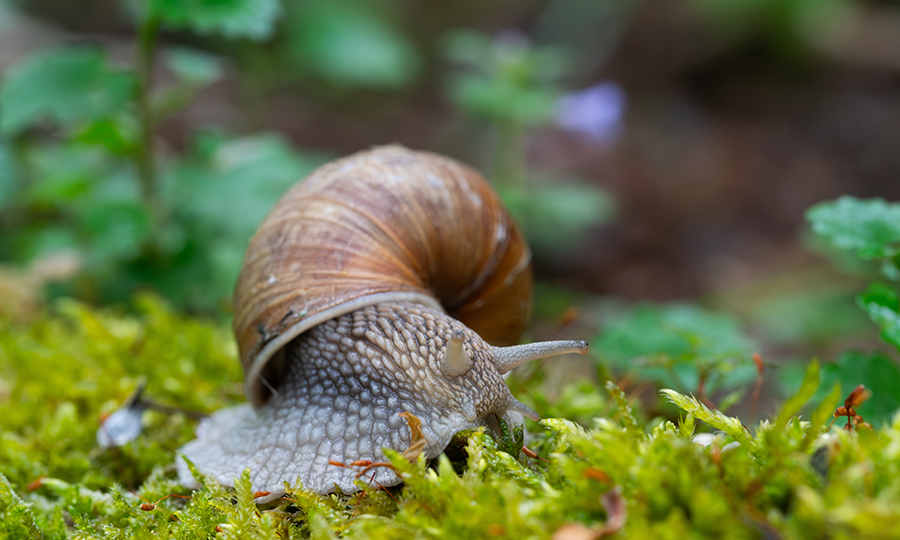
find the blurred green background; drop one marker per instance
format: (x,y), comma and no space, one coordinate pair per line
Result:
(661,156)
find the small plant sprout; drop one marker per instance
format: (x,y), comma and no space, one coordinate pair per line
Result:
(857,397)
(148,506)
(757,386)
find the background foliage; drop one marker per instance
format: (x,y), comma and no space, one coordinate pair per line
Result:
(707,186)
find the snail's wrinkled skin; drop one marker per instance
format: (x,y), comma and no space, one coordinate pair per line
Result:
(372,289)
(346,381)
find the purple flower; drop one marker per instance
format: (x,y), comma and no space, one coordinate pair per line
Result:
(595,112)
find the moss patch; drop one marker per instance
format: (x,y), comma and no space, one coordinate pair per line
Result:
(59,375)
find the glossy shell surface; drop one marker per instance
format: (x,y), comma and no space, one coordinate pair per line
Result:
(388,224)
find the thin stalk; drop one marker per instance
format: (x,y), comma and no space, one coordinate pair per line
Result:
(672,373)
(509,168)
(24,178)
(144,155)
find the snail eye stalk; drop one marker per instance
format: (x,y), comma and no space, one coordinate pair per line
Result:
(507,358)
(456,360)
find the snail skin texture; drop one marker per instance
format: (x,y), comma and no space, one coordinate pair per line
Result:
(372,289)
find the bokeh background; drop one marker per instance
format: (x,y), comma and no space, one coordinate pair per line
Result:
(661,156)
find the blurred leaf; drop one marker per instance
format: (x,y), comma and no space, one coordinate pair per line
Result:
(870,228)
(590,30)
(252,19)
(877,372)
(29,244)
(579,400)
(241,179)
(556,217)
(793,405)
(806,312)
(501,99)
(7,175)
(883,306)
(680,346)
(93,196)
(791,26)
(117,230)
(824,411)
(219,196)
(680,331)
(192,66)
(351,44)
(62,173)
(194,70)
(505,79)
(66,86)
(118,136)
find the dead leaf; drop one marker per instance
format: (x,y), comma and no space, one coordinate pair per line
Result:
(417,440)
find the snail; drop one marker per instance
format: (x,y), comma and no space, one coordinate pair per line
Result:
(389,281)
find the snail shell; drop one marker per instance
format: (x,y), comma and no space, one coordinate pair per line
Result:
(384,225)
(372,288)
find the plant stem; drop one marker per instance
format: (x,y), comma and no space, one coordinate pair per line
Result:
(509,168)
(19,152)
(144,155)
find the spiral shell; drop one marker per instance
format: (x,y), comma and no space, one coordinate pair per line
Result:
(388,224)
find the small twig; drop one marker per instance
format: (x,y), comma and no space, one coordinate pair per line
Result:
(144,159)
(701,391)
(171,409)
(757,388)
(671,371)
(147,506)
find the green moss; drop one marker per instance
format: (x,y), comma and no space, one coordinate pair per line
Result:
(60,374)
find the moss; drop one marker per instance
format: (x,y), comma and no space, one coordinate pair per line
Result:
(789,476)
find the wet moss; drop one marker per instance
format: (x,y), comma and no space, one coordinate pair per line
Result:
(59,375)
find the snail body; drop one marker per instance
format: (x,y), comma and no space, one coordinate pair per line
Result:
(373,288)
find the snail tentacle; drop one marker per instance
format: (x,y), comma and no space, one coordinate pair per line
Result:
(456,360)
(517,406)
(507,358)
(380,285)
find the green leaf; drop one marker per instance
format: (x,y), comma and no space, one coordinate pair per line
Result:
(805,312)
(882,304)
(119,136)
(680,331)
(351,44)
(194,67)
(558,216)
(8,172)
(870,228)
(240,178)
(63,174)
(807,389)
(505,79)
(117,231)
(716,419)
(878,372)
(252,19)
(823,413)
(66,86)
